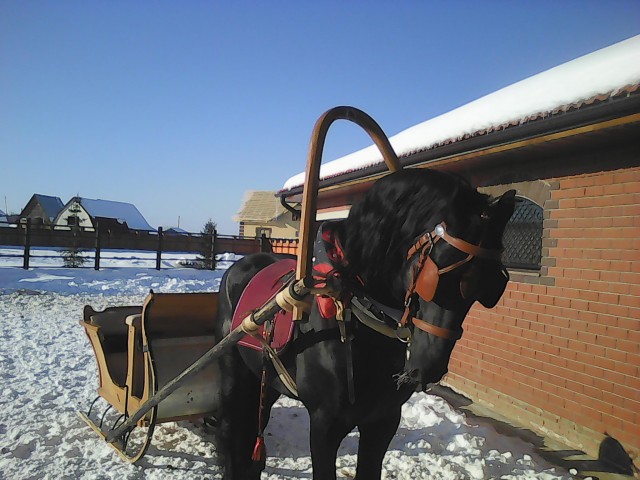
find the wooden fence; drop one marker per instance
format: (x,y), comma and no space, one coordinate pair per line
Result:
(284,245)
(28,236)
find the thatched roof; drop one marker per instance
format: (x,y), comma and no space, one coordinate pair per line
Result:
(259,206)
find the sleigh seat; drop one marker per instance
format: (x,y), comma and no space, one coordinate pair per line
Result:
(139,349)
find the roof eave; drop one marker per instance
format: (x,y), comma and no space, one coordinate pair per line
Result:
(615,107)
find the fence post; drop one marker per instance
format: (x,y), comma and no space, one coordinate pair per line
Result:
(265,244)
(213,249)
(159,253)
(27,244)
(96,265)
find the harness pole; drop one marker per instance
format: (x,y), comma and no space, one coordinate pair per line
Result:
(249,325)
(312,176)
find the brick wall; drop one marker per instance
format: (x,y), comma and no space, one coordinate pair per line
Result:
(561,351)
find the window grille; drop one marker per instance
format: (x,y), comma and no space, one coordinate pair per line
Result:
(522,238)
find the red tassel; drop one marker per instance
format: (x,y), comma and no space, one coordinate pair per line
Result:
(260,450)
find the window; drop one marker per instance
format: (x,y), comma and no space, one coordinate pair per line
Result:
(263,231)
(523,236)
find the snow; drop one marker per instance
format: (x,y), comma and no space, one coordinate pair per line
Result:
(48,373)
(601,72)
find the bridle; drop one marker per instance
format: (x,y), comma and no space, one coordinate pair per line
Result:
(425,274)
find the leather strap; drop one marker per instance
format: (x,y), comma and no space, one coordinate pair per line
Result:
(425,239)
(437,331)
(370,319)
(283,374)
(466,247)
(451,267)
(441,232)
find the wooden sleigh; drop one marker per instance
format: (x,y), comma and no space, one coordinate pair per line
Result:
(156,362)
(139,349)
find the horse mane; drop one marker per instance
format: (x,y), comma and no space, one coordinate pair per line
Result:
(393,213)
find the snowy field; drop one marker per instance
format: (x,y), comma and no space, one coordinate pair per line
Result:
(48,373)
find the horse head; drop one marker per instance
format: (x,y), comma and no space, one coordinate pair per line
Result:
(429,243)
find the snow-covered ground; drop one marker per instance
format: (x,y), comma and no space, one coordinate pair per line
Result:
(48,373)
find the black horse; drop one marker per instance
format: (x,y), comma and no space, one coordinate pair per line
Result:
(418,249)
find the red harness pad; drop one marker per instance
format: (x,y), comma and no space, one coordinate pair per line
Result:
(259,291)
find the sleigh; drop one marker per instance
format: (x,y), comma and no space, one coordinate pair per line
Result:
(139,350)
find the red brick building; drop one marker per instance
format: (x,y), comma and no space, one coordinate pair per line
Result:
(560,353)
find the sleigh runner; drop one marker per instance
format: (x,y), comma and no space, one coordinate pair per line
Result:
(164,362)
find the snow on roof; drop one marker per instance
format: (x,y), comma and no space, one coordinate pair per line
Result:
(603,72)
(51,205)
(121,211)
(259,206)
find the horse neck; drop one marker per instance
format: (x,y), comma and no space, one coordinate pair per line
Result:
(377,257)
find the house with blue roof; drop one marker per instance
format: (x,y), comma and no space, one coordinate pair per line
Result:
(42,209)
(88,213)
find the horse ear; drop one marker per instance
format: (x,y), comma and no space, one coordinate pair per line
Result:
(503,206)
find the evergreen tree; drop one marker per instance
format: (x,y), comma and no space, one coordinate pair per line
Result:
(207,257)
(72,256)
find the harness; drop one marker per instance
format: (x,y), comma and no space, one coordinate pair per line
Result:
(335,294)
(336,289)
(331,271)
(425,274)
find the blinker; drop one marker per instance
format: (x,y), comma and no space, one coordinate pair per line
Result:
(427,281)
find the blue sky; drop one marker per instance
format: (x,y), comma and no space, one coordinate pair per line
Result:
(180,107)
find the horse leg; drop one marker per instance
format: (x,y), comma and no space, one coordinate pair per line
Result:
(237,420)
(237,390)
(326,433)
(375,438)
